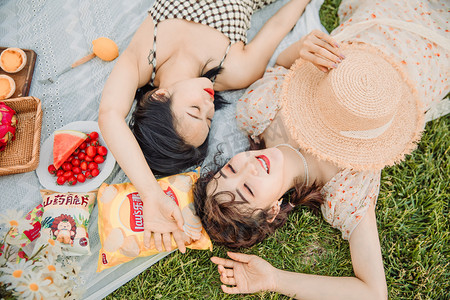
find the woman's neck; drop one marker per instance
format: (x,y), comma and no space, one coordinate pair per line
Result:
(184,48)
(319,171)
(294,166)
(177,68)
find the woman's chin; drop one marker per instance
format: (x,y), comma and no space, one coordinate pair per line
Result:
(276,161)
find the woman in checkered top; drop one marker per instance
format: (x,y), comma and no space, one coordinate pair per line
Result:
(184,50)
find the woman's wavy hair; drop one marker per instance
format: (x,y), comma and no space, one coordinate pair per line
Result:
(230,222)
(152,124)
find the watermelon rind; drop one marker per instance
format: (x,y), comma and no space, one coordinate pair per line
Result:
(72,139)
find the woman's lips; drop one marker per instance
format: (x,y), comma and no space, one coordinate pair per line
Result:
(265,163)
(210,92)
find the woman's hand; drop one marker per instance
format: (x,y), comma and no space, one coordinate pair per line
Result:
(320,49)
(245,273)
(162,218)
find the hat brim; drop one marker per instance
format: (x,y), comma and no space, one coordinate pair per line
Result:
(304,121)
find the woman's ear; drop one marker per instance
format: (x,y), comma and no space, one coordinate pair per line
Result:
(161,95)
(275,210)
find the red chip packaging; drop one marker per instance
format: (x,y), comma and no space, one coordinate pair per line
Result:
(66,219)
(121,221)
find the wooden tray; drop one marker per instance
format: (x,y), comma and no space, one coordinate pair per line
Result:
(22,154)
(24,76)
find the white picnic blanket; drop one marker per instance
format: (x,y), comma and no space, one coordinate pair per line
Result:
(61,32)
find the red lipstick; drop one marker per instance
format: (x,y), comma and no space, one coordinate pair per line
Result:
(266,161)
(210,92)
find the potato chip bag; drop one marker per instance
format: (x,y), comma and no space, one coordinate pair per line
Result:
(66,219)
(121,222)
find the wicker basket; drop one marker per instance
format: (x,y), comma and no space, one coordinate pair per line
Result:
(22,154)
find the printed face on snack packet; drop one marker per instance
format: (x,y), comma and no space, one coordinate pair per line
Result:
(64,226)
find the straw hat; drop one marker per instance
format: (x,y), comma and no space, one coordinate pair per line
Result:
(365,114)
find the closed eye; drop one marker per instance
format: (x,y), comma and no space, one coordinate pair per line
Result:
(194,116)
(198,118)
(231,169)
(248,189)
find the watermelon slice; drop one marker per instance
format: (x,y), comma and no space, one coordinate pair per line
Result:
(64,144)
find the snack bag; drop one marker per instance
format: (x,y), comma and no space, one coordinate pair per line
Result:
(28,238)
(66,219)
(121,222)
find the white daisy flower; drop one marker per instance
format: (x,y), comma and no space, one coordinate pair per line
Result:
(15,219)
(53,248)
(50,248)
(14,272)
(33,287)
(51,270)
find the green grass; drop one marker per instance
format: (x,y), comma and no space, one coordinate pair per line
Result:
(413,223)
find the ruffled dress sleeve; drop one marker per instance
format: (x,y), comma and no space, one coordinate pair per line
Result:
(347,197)
(259,104)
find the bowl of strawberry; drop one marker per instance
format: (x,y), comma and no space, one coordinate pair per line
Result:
(75,159)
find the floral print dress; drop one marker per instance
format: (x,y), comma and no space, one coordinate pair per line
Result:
(423,50)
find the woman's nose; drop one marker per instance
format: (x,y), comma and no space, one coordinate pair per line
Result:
(208,102)
(249,168)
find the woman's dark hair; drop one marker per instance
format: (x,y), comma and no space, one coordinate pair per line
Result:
(152,124)
(230,222)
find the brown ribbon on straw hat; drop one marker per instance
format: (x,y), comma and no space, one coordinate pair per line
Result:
(365,114)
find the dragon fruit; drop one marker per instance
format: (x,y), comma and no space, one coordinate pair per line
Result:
(8,123)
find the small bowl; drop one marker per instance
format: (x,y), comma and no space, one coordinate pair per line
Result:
(12,60)
(5,90)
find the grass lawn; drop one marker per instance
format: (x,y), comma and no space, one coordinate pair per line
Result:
(413,223)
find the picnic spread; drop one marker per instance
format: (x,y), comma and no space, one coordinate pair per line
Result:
(57,87)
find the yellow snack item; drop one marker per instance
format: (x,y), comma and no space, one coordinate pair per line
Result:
(121,223)
(12,60)
(105,48)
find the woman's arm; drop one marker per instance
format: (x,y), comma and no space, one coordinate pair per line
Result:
(249,273)
(316,47)
(245,65)
(161,215)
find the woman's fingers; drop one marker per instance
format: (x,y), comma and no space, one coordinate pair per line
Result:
(230,290)
(239,257)
(180,241)
(158,243)
(228,263)
(164,239)
(323,69)
(167,241)
(225,272)
(147,237)
(178,217)
(326,50)
(322,50)
(319,61)
(227,280)
(326,37)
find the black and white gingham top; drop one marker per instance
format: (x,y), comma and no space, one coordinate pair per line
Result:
(231,17)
